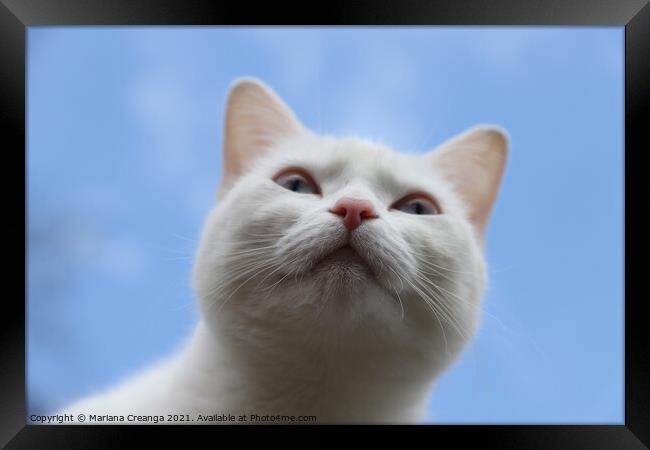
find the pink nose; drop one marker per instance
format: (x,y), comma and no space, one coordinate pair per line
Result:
(353,211)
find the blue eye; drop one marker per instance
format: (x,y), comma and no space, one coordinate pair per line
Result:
(295,181)
(416,204)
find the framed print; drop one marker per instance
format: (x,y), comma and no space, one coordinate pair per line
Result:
(366,216)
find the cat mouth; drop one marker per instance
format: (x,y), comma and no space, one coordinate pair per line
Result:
(343,259)
(346,264)
(345,253)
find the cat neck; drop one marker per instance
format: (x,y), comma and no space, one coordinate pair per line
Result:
(297,381)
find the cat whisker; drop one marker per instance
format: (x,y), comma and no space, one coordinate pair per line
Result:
(194,241)
(426,259)
(256,272)
(248,251)
(397,293)
(444,309)
(248,242)
(432,308)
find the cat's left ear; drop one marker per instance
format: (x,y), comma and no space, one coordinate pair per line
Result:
(474,162)
(256,120)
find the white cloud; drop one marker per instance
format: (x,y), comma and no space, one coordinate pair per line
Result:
(112,255)
(166,114)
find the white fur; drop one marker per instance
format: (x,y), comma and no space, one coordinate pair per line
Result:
(286,329)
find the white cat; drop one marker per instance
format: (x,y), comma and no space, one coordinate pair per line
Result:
(336,278)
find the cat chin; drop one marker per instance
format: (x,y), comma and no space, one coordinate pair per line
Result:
(340,293)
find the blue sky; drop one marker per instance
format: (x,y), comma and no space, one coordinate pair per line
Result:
(124,133)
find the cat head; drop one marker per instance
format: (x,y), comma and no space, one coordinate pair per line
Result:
(319,240)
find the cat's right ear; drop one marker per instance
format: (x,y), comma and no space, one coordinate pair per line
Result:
(256,119)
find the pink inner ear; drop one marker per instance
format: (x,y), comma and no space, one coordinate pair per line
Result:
(256,119)
(474,162)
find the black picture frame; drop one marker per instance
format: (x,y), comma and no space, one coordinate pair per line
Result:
(634,15)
